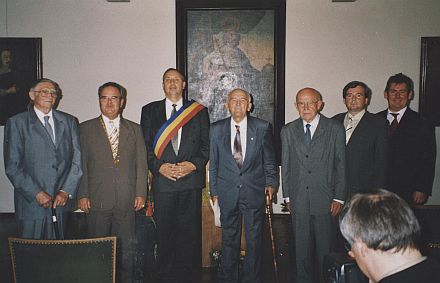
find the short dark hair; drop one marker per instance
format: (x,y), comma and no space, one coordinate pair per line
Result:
(380,219)
(115,85)
(173,69)
(400,79)
(353,84)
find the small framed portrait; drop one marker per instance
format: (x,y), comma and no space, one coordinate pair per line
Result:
(20,67)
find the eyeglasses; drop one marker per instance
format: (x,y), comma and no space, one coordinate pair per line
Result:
(394,92)
(111,98)
(303,104)
(46,91)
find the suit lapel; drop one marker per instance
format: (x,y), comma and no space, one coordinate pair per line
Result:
(227,141)
(318,139)
(60,127)
(363,123)
(123,135)
(251,137)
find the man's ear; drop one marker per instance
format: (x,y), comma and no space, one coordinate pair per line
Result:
(31,95)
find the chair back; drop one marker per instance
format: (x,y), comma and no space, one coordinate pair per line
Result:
(67,261)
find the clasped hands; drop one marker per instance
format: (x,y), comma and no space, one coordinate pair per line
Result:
(45,200)
(175,171)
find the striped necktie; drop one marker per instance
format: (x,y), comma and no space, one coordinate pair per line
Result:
(113,138)
(49,128)
(238,153)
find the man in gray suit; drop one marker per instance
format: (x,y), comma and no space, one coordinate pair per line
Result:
(114,184)
(242,170)
(42,161)
(313,174)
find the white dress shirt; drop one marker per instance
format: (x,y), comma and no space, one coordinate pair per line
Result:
(169,109)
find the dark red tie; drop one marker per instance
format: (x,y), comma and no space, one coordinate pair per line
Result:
(238,154)
(394,124)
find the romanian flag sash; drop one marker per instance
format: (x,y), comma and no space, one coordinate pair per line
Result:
(173,124)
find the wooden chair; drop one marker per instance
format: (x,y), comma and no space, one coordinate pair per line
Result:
(67,261)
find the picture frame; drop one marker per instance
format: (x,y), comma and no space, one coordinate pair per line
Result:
(20,67)
(226,44)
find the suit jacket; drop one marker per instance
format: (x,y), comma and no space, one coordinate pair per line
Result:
(106,184)
(194,147)
(366,154)
(315,172)
(33,163)
(259,168)
(412,153)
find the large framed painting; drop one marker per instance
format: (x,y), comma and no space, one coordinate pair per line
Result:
(20,67)
(223,45)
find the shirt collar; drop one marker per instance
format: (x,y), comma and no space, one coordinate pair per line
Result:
(242,124)
(314,122)
(401,111)
(169,103)
(107,120)
(357,116)
(41,115)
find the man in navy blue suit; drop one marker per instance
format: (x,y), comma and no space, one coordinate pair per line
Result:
(242,170)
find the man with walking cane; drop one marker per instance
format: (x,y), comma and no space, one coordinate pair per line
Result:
(242,171)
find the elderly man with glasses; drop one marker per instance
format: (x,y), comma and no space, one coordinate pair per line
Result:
(43,162)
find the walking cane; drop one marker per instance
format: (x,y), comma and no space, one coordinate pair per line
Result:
(269,213)
(55,223)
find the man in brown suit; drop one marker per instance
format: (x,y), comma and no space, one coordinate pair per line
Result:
(114,183)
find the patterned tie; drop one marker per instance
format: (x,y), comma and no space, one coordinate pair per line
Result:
(308,135)
(393,125)
(113,138)
(175,139)
(49,128)
(349,129)
(238,154)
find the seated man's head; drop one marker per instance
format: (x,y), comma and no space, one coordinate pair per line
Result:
(378,224)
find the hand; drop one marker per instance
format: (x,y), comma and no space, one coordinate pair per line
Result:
(139,203)
(335,208)
(214,199)
(12,89)
(167,170)
(269,191)
(419,197)
(44,199)
(84,204)
(60,199)
(289,207)
(184,168)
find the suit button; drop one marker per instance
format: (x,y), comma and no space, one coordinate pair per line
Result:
(307,156)
(307,187)
(310,172)
(240,174)
(239,186)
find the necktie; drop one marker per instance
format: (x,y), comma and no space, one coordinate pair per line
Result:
(113,138)
(238,154)
(394,124)
(349,129)
(49,128)
(308,135)
(175,140)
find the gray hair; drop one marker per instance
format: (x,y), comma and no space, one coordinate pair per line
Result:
(380,219)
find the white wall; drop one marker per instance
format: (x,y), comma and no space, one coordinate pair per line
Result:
(89,42)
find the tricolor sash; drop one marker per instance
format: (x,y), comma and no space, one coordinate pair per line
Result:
(173,125)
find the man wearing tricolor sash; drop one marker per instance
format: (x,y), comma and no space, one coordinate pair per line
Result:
(176,135)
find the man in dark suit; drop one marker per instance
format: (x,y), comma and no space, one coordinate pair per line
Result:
(366,141)
(242,170)
(412,146)
(43,162)
(114,184)
(176,134)
(313,174)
